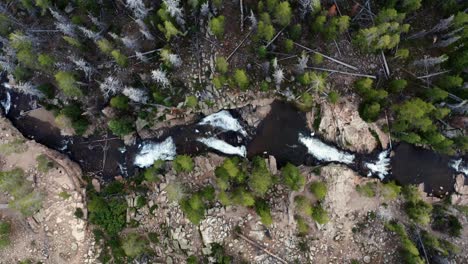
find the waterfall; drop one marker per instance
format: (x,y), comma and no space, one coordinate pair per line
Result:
(381,167)
(150,152)
(324,152)
(457,165)
(6,104)
(223,147)
(225,121)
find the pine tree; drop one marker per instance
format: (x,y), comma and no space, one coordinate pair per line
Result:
(216,25)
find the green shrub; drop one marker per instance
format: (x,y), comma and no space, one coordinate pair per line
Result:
(333,97)
(5,25)
(241,79)
(265,29)
(208,193)
(222,65)
(79,213)
(292,177)
(319,189)
(67,83)
(120,58)
(141,201)
(47,89)
(44,164)
(263,210)
(419,211)
(134,245)
(119,102)
(110,213)
(319,214)
(288,45)
(192,260)
(283,13)
(402,54)
(367,190)
(193,208)
(153,237)
(445,222)
(191,101)
(46,60)
(295,32)
(260,179)
(411,193)
(21,73)
(409,251)
(242,197)
(169,30)
(216,25)
(306,102)
(302,226)
(121,127)
(397,86)
(5,231)
(105,46)
(303,205)
(183,163)
(72,42)
(151,173)
(390,190)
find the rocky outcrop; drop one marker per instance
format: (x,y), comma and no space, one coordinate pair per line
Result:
(460,196)
(342,198)
(342,124)
(59,236)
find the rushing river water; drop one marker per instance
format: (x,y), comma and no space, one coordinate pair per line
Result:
(283,134)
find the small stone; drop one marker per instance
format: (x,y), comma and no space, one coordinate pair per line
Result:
(366,259)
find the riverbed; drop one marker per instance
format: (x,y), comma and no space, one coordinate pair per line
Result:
(283,133)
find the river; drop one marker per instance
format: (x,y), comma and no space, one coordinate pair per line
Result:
(283,134)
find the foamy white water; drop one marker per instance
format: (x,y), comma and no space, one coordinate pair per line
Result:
(150,152)
(223,120)
(457,165)
(324,152)
(7,103)
(381,167)
(223,147)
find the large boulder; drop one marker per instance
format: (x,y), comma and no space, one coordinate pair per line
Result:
(342,124)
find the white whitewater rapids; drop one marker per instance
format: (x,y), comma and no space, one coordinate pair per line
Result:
(324,152)
(381,167)
(7,103)
(166,150)
(225,121)
(150,152)
(457,165)
(223,147)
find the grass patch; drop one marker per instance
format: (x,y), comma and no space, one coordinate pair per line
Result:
(5,229)
(64,195)
(367,190)
(390,190)
(14,146)
(44,164)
